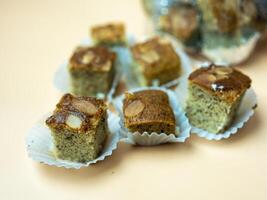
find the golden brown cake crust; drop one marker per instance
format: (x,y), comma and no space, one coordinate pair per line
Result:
(92,58)
(227,83)
(147,106)
(88,109)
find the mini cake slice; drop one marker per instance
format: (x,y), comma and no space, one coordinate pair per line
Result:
(109,34)
(156,60)
(182,21)
(148,111)
(79,128)
(214,96)
(92,70)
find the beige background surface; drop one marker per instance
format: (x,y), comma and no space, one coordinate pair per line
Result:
(35,37)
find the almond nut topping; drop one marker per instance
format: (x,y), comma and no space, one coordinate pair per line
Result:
(87,57)
(150,57)
(163,41)
(107,66)
(74,122)
(207,78)
(223,70)
(211,77)
(84,106)
(134,108)
(220,77)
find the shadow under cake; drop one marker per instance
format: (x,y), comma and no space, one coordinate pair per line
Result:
(109,34)
(92,70)
(148,111)
(79,128)
(156,62)
(214,96)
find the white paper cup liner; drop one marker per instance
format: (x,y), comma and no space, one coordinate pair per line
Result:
(244,113)
(40,144)
(182,124)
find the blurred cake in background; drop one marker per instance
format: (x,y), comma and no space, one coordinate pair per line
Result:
(155,62)
(219,29)
(108,34)
(182,21)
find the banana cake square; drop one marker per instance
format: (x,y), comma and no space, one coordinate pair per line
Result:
(156,61)
(92,70)
(148,111)
(108,34)
(79,128)
(215,93)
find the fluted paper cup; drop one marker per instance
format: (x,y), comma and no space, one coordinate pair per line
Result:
(148,139)
(40,145)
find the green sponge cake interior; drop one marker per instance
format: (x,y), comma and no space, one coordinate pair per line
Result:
(92,70)
(214,96)
(79,128)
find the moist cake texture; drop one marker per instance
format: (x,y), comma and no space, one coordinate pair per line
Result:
(92,70)
(109,34)
(79,128)
(214,97)
(148,111)
(156,60)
